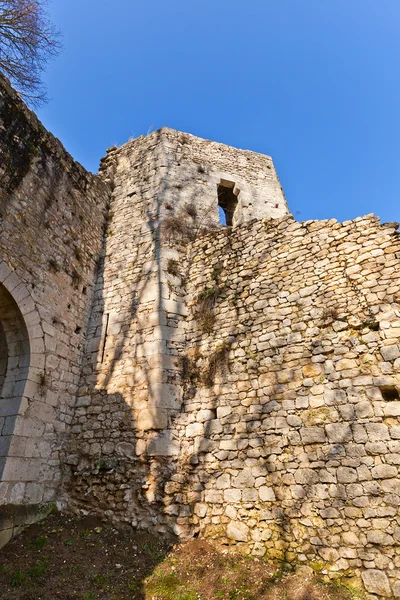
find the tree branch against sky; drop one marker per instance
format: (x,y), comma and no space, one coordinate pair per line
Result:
(27,41)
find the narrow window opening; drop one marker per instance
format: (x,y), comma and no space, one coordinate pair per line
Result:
(227,202)
(103,350)
(390,393)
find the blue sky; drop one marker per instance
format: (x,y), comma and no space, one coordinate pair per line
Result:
(314,83)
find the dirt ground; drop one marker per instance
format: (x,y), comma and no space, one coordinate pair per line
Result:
(85,559)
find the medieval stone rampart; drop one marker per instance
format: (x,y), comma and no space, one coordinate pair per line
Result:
(275,346)
(51,222)
(162,369)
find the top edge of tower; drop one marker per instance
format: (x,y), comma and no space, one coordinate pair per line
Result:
(181,136)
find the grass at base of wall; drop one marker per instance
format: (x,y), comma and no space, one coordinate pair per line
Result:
(86,559)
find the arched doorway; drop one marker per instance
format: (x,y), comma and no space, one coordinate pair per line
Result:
(14,368)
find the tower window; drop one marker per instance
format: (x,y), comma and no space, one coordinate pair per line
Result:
(227,202)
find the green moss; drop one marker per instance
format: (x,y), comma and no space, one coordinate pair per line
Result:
(317,566)
(168,586)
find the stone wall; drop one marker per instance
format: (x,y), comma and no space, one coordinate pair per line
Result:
(51,228)
(285,436)
(238,383)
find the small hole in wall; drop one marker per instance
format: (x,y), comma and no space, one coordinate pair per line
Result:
(84,291)
(390,393)
(78,329)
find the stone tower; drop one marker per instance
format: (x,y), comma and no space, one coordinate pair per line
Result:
(167,191)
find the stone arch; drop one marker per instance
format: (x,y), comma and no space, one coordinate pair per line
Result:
(21,351)
(14,351)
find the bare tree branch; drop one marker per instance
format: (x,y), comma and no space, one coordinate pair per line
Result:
(27,41)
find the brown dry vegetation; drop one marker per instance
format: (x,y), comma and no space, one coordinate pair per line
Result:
(86,559)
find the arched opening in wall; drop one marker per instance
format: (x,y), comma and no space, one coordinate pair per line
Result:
(3,357)
(227,202)
(14,364)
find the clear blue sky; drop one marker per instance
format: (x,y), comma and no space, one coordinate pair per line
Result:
(314,83)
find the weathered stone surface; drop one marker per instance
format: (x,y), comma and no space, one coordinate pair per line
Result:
(237,382)
(376,582)
(237,531)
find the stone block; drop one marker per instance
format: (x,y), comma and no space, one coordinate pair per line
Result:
(151,419)
(339,433)
(238,531)
(243,480)
(312,435)
(384,472)
(392,409)
(390,353)
(376,582)
(163,445)
(194,430)
(232,495)
(267,494)
(379,537)
(5,536)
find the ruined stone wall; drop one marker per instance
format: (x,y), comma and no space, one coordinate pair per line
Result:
(51,229)
(241,383)
(286,440)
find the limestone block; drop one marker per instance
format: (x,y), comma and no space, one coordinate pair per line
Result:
(223,411)
(243,480)
(346,475)
(312,435)
(200,509)
(126,449)
(249,495)
(163,445)
(195,429)
(377,432)
(33,493)
(83,401)
(205,416)
(151,418)
(166,395)
(338,432)
(329,554)
(384,472)
(390,353)
(238,531)
(312,370)
(350,539)
(266,494)
(380,537)
(306,476)
(376,582)
(392,409)
(232,495)
(213,497)
(223,482)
